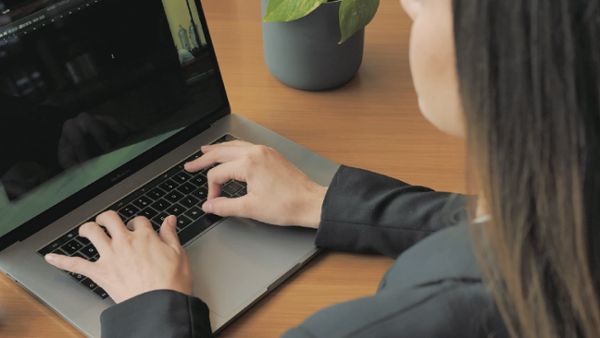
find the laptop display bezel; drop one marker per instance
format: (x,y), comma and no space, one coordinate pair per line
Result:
(87,193)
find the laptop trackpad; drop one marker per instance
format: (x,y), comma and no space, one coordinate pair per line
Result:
(237,260)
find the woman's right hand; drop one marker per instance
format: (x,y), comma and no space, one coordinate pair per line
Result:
(277,192)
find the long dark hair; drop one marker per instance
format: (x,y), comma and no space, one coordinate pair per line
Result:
(529,74)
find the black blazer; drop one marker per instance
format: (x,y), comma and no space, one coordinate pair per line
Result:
(434,289)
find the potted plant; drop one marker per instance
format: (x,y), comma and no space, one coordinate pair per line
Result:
(315,44)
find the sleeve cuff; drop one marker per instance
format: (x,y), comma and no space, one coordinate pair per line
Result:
(160,313)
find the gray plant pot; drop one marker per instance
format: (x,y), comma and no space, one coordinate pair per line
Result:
(305,53)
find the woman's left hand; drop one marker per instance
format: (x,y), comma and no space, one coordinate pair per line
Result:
(131,262)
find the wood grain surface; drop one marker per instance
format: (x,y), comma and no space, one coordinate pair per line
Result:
(373,122)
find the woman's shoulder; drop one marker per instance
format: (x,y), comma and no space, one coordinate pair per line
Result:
(445,255)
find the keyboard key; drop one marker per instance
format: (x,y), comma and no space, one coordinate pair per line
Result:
(201,194)
(160,205)
(194,213)
(194,229)
(77,276)
(159,219)
(60,241)
(168,185)
(89,251)
(182,177)
(231,188)
(129,211)
(156,193)
(142,202)
(83,240)
(95,258)
(186,188)
(100,292)
(175,209)
(148,213)
(189,201)
(183,222)
(199,180)
(71,247)
(89,283)
(174,196)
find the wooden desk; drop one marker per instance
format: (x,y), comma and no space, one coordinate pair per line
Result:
(373,123)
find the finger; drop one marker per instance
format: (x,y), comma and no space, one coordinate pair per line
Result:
(113,223)
(223,173)
(140,223)
(226,207)
(96,235)
(72,264)
(168,232)
(221,155)
(234,143)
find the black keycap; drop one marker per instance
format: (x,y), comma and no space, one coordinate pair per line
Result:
(193,157)
(60,241)
(89,251)
(156,194)
(182,177)
(173,196)
(77,276)
(183,222)
(169,173)
(83,240)
(148,213)
(50,247)
(59,252)
(231,188)
(80,255)
(129,211)
(95,258)
(160,205)
(142,202)
(201,194)
(72,234)
(71,247)
(207,169)
(89,283)
(194,229)
(175,209)
(189,201)
(168,185)
(100,292)
(199,180)
(160,218)
(194,213)
(186,188)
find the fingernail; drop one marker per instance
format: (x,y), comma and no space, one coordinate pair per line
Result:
(50,257)
(206,206)
(172,220)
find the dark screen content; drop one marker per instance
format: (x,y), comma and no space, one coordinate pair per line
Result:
(90,77)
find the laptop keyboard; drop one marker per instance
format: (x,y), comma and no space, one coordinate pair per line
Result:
(175,192)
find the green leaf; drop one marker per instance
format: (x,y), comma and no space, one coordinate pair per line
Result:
(290,10)
(355,15)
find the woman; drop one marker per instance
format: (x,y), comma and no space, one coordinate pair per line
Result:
(519,80)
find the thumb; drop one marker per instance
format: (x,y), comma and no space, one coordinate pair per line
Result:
(72,264)
(224,207)
(168,232)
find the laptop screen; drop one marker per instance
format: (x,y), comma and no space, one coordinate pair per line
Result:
(88,85)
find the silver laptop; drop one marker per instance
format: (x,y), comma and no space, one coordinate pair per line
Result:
(101,103)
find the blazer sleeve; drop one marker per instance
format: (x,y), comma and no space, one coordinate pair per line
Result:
(364,212)
(157,314)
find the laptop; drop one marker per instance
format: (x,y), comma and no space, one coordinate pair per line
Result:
(102,102)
